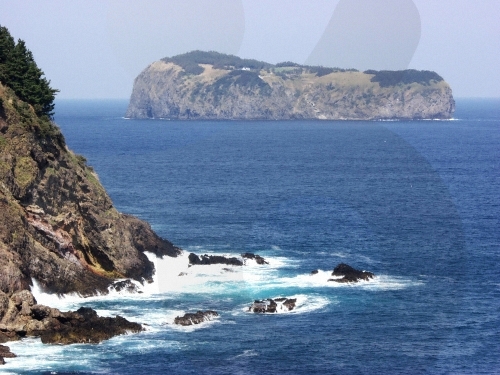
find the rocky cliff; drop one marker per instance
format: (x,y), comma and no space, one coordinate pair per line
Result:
(57,223)
(208,85)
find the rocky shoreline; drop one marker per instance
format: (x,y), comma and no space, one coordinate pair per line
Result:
(21,316)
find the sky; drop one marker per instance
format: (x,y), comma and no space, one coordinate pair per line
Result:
(94,49)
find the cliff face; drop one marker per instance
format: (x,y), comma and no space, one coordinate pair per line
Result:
(173,89)
(57,223)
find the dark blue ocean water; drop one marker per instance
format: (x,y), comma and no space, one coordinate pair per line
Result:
(417,203)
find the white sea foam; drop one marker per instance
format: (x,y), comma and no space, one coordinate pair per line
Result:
(320,279)
(175,275)
(33,355)
(246,353)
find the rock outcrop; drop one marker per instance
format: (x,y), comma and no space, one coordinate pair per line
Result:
(21,316)
(206,260)
(271,306)
(207,85)
(196,318)
(57,223)
(213,259)
(346,274)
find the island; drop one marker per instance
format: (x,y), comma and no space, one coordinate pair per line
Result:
(213,86)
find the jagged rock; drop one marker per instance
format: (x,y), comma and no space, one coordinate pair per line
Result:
(213,259)
(196,318)
(24,317)
(84,326)
(270,305)
(57,223)
(349,274)
(207,85)
(314,272)
(255,257)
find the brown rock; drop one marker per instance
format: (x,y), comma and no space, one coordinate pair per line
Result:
(57,223)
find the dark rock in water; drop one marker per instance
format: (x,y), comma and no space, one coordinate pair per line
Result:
(256,257)
(196,318)
(125,285)
(314,272)
(213,259)
(24,317)
(270,305)
(5,353)
(84,326)
(350,275)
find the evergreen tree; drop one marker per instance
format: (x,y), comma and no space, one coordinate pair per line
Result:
(19,71)
(7,44)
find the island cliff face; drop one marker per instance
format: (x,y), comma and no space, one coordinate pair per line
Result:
(57,223)
(212,86)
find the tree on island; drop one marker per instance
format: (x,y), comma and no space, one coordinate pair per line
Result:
(18,70)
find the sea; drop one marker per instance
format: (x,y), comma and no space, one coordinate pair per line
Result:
(415,202)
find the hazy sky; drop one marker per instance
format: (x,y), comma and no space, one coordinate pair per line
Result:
(95,48)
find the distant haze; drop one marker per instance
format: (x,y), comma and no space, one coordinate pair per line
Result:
(95,48)
(382,34)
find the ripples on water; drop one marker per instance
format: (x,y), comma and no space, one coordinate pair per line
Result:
(416,203)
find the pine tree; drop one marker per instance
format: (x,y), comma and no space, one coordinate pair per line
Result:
(19,71)
(7,44)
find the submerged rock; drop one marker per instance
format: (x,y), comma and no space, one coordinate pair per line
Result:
(348,274)
(195,318)
(255,257)
(271,306)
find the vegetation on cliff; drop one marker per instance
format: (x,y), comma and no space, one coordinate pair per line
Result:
(211,85)
(19,71)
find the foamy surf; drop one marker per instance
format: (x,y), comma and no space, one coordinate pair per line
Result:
(320,280)
(176,275)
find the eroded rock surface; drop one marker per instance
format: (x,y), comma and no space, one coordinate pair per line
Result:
(57,223)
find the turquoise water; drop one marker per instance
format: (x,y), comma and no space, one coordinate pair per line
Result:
(417,203)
